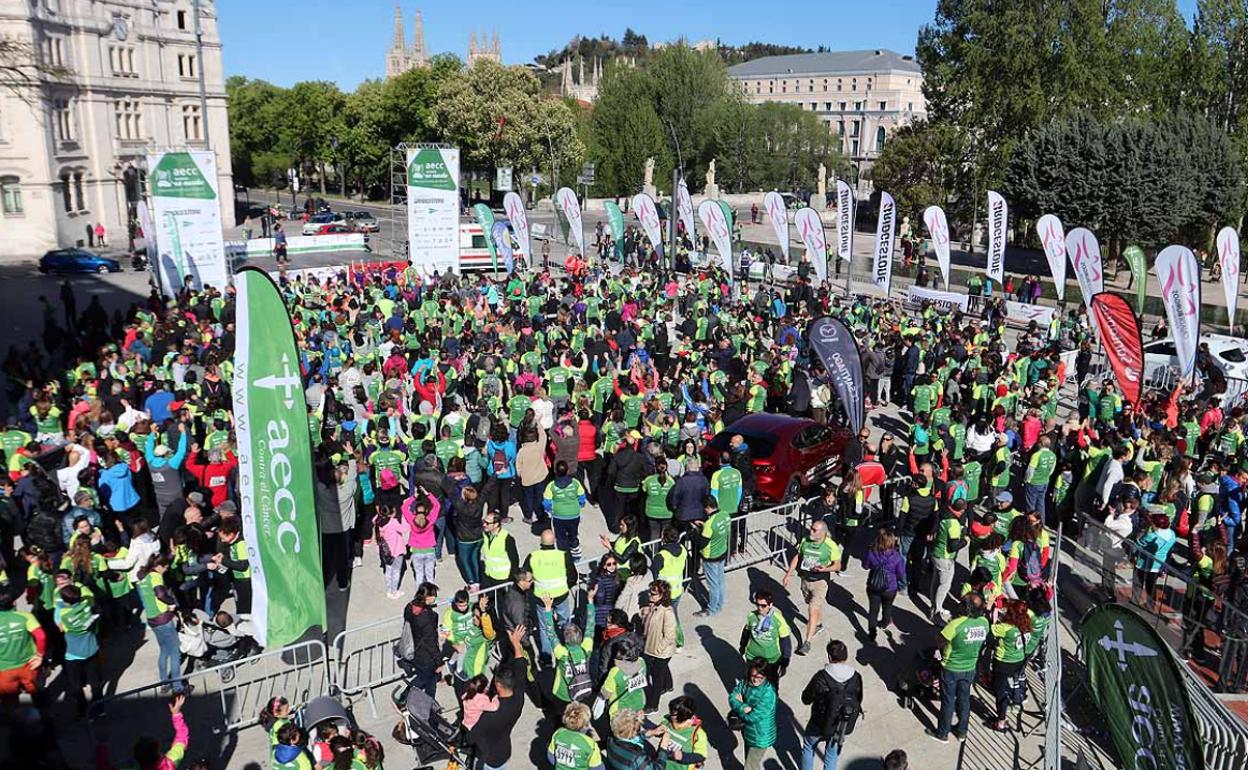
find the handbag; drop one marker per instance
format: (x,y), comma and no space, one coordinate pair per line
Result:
(735,721)
(877,580)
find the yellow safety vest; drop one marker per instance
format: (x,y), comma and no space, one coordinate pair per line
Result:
(550,578)
(494,554)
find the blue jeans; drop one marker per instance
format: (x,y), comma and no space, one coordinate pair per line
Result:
(563,615)
(955,690)
(1230,538)
(169,663)
(907,542)
(568,536)
(468,559)
(1033,497)
(714,585)
(831,752)
(445,537)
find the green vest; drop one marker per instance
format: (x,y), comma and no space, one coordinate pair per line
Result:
(550,577)
(1040,468)
(565,501)
(153,607)
(494,556)
(673,570)
(16,644)
(726,487)
(238,552)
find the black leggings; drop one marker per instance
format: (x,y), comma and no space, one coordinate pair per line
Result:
(80,673)
(660,680)
(881,605)
(1002,673)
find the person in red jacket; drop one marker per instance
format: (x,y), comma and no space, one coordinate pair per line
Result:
(212,470)
(588,461)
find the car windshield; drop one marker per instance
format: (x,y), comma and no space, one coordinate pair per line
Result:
(1232,355)
(761,446)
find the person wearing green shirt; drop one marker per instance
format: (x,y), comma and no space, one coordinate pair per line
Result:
(558,379)
(1039,470)
(964,638)
(655,488)
(1010,636)
(1000,479)
(22,645)
(563,500)
(766,635)
(712,540)
(386,457)
(947,540)
(572,747)
(726,486)
(518,405)
(924,396)
(817,557)
(684,733)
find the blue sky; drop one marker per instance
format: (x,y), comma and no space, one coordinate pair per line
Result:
(346,41)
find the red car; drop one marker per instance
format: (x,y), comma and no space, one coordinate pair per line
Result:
(333,228)
(790,454)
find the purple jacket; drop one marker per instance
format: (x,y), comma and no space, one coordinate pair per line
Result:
(893,565)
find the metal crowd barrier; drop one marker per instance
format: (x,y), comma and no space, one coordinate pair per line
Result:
(1053,670)
(227,697)
(364,659)
(1223,735)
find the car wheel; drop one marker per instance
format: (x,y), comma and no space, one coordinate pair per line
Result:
(43,269)
(793,492)
(102,269)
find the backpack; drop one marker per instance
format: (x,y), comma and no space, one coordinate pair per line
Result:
(835,712)
(877,580)
(405,648)
(576,675)
(1030,566)
(498,462)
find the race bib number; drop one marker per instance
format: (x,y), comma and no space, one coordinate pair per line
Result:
(977,634)
(809,563)
(637,681)
(565,756)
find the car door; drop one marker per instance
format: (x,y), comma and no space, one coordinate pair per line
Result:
(818,461)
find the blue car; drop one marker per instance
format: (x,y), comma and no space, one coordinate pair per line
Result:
(77,261)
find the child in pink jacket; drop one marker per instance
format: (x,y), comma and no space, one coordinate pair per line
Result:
(393,533)
(421,512)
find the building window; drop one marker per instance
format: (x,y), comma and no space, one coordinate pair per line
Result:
(843,104)
(853,147)
(54,51)
(11,195)
(186,65)
(129,117)
(814,106)
(909,106)
(63,119)
(854,127)
(121,61)
(192,126)
(784,87)
(857,106)
(66,193)
(879,139)
(883,106)
(827,106)
(79,192)
(840,128)
(181,19)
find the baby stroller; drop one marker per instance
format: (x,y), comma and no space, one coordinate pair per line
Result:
(920,679)
(215,640)
(423,727)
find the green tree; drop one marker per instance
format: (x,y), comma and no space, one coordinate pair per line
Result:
(255,113)
(312,117)
(790,146)
(624,130)
(922,165)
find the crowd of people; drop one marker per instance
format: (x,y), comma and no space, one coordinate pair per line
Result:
(441,407)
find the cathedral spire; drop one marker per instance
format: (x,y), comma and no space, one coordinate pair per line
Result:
(418,36)
(399,43)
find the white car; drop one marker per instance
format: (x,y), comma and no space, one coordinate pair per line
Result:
(1229,353)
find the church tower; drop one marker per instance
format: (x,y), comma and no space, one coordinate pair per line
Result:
(396,57)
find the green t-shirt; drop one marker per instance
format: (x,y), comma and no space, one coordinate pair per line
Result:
(573,750)
(557,382)
(387,459)
(516,407)
(632,410)
(656,496)
(964,638)
(726,489)
(16,643)
(1040,467)
(715,531)
(812,554)
(948,530)
(765,633)
(1011,643)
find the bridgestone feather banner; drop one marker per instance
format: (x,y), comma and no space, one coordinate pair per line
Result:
(684,205)
(998,221)
(882,257)
(844,221)
(837,349)
(1085,256)
(1120,333)
(519,218)
(275,468)
(1138,686)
